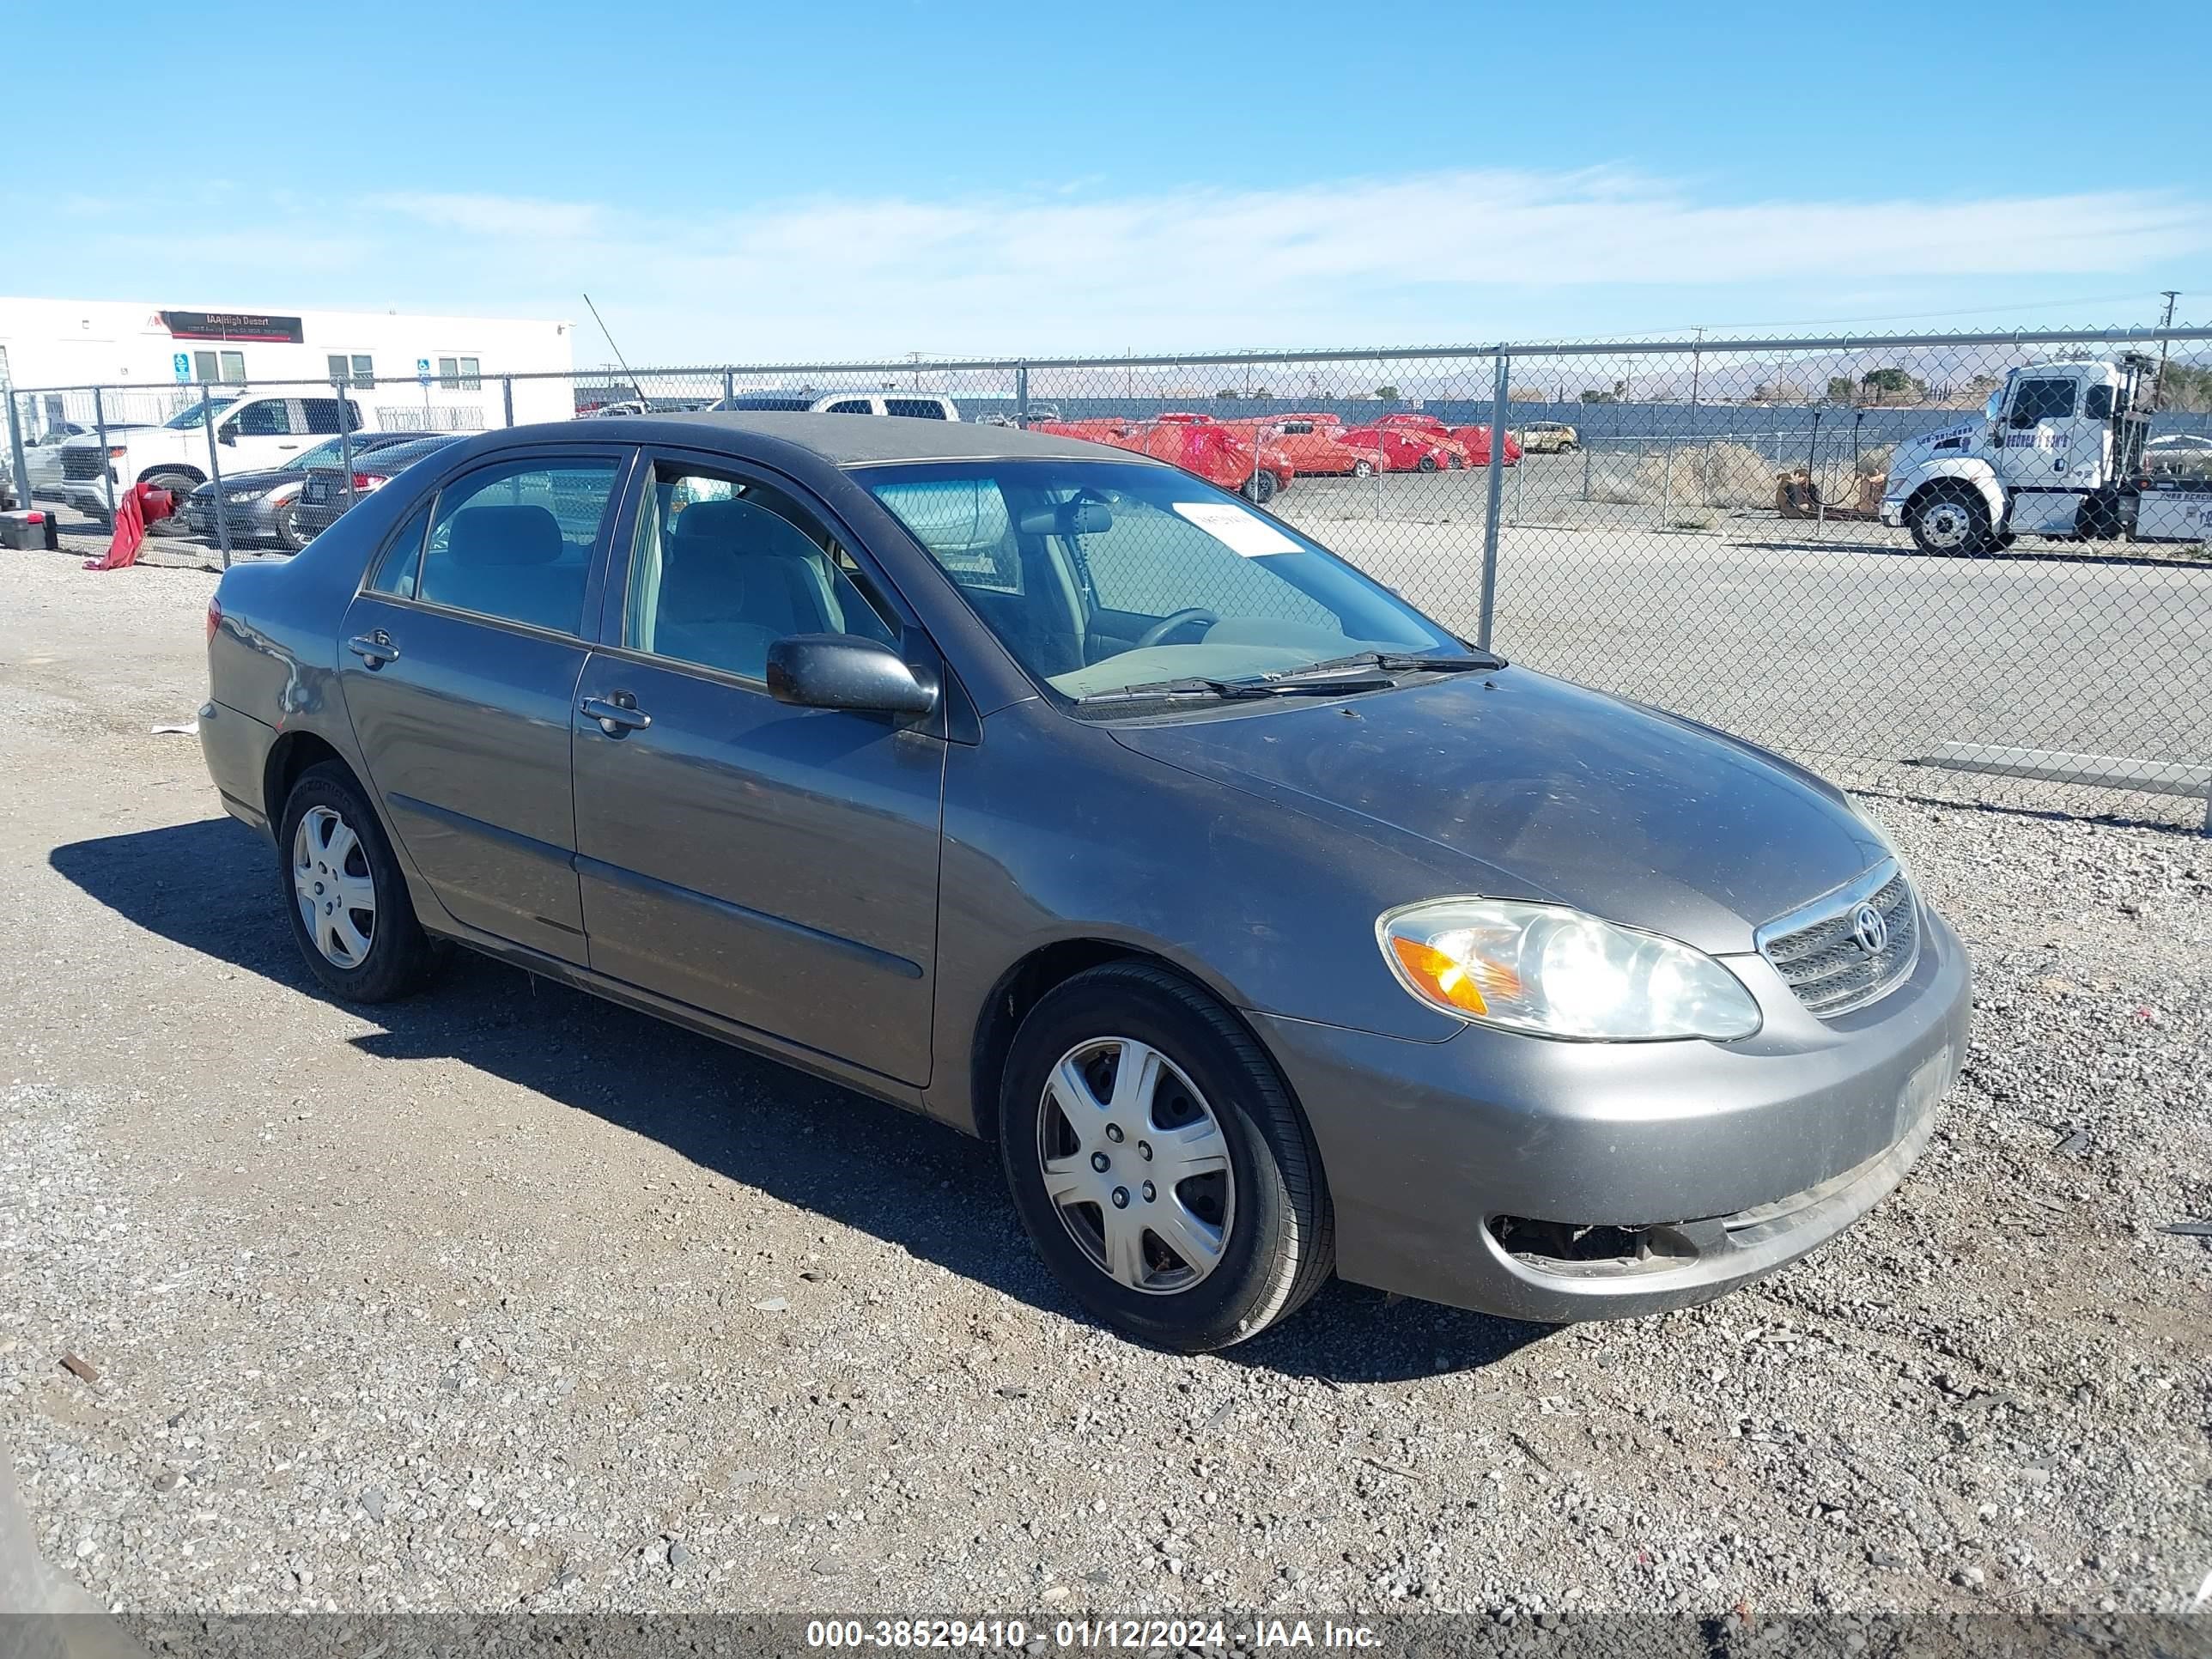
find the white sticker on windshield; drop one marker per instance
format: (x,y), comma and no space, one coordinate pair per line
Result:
(1243,532)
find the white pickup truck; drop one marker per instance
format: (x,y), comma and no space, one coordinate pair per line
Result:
(2058,450)
(252,434)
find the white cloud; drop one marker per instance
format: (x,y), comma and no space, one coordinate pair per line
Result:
(1408,258)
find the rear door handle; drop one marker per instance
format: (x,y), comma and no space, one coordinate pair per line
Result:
(617,714)
(375,649)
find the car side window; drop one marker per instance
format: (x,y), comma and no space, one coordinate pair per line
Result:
(322,415)
(723,565)
(919,409)
(2043,400)
(271,418)
(2099,405)
(514,540)
(851,406)
(396,573)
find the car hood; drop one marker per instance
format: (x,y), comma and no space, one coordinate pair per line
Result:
(1528,787)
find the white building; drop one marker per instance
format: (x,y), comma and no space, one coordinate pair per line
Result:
(439,364)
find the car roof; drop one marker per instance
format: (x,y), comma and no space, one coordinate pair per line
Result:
(840,440)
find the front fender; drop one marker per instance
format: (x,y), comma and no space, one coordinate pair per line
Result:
(1972,470)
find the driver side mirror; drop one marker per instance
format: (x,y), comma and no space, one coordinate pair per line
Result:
(843,670)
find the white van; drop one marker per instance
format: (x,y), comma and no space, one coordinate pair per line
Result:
(253,434)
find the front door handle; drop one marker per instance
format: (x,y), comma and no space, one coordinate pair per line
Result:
(375,649)
(617,714)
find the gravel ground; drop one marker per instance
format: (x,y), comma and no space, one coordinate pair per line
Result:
(508,1298)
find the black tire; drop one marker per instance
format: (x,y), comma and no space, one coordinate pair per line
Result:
(289,533)
(399,958)
(1278,1245)
(180,485)
(1428,464)
(1949,520)
(1260,487)
(2098,518)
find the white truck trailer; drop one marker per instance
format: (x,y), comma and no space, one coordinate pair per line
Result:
(2057,451)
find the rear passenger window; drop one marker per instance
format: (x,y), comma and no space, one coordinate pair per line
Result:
(515,540)
(851,406)
(920,409)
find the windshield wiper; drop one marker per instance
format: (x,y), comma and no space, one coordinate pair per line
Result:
(1396,662)
(1183,690)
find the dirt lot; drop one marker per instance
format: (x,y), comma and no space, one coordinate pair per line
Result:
(504,1298)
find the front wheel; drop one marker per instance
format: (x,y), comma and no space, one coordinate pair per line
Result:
(1158,1164)
(179,486)
(1428,464)
(343,888)
(1363,468)
(1260,487)
(1950,519)
(288,530)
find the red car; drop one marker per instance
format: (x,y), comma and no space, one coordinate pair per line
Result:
(1404,449)
(1197,444)
(1474,441)
(1313,446)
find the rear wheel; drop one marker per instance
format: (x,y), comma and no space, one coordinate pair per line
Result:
(1428,464)
(1260,487)
(2097,518)
(344,892)
(1950,518)
(1157,1162)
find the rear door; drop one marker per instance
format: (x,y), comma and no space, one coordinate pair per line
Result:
(772,865)
(460,661)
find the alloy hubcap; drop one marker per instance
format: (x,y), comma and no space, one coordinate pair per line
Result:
(335,888)
(1947,524)
(1136,1166)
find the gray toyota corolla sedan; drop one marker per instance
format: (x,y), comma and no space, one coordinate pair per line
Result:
(1267,928)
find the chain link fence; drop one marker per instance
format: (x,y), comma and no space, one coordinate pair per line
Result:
(1963,566)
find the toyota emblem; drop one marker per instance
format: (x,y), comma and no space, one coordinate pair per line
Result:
(1868,928)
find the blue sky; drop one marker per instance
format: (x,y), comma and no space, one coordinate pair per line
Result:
(738,180)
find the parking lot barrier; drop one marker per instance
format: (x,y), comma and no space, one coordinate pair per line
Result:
(1497,499)
(106,465)
(15,450)
(214,472)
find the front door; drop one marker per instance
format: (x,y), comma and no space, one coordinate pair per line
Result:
(772,865)
(459,663)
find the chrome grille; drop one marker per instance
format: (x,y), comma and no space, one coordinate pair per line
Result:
(1817,951)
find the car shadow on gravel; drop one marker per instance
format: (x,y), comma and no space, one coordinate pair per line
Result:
(912,1182)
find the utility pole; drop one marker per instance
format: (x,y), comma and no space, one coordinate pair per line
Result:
(2158,385)
(1697,371)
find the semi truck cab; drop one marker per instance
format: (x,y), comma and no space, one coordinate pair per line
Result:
(2056,451)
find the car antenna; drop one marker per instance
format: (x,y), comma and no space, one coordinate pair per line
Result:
(617,350)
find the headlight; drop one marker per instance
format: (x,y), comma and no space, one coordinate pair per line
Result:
(246,495)
(1546,968)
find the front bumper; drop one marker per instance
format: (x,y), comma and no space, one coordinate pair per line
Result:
(1893,513)
(1736,1157)
(252,520)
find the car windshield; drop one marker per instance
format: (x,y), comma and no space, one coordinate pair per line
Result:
(186,419)
(1100,575)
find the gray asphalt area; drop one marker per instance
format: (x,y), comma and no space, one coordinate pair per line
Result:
(502,1298)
